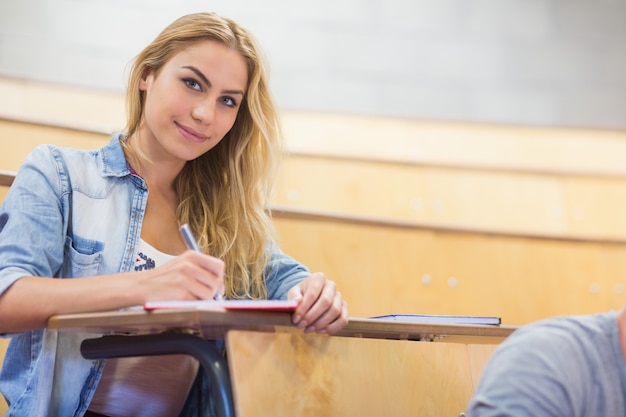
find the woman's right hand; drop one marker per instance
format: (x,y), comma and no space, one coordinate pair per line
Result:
(30,301)
(190,276)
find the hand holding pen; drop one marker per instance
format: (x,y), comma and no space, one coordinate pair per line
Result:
(192,244)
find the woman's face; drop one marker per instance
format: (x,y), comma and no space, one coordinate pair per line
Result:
(192,102)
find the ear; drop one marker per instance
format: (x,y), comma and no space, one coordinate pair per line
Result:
(146,79)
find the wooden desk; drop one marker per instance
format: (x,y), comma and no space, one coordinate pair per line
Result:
(372,367)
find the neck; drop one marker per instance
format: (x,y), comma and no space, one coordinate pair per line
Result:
(157,176)
(156,171)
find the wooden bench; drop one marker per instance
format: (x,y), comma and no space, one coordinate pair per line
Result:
(466,198)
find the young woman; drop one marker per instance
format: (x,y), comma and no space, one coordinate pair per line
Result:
(98,230)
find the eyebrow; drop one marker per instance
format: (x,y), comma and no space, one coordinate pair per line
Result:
(206,80)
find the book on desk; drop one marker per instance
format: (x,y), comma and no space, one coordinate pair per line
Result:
(223,305)
(441,319)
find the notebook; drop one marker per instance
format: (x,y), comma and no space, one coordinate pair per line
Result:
(425,318)
(266,305)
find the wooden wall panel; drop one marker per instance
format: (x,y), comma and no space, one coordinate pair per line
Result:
(20,138)
(510,202)
(492,146)
(339,376)
(491,208)
(383,270)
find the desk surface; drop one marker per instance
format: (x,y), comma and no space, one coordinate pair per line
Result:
(427,379)
(215,324)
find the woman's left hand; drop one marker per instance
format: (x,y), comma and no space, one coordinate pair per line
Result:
(321,307)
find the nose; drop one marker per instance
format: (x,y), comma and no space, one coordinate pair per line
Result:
(204,111)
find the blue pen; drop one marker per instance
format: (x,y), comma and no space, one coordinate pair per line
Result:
(191,243)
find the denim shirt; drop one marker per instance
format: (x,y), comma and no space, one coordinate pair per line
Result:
(76,213)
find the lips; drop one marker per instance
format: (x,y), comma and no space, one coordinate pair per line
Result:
(191,134)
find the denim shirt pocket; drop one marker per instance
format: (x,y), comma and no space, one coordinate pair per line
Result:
(83,257)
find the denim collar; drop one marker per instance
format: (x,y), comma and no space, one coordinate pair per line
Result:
(112,161)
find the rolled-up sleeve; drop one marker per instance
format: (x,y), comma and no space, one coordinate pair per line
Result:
(282,273)
(32,241)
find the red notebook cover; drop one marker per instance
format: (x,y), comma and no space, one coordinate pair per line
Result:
(267,305)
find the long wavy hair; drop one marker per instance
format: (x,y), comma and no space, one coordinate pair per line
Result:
(224,193)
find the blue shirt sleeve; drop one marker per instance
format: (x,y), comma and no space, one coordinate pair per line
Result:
(282,273)
(32,241)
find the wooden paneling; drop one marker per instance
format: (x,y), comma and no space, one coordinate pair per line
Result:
(470,145)
(386,269)
(474,252)
(481,200)
(18,138)
(336,376)
(475,199)
(62,105)
(494,206)
(510,147)
(471,199)
(522,223)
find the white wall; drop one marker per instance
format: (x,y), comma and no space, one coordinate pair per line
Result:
(545,62)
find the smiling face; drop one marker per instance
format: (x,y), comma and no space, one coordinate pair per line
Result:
(192,101)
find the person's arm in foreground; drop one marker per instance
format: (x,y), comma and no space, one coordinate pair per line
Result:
(560,367)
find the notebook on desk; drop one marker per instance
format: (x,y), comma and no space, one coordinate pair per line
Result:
(265,305)
(439,319)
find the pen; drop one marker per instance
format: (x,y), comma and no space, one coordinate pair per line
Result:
(191,243)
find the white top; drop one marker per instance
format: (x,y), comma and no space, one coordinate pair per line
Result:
(145,386)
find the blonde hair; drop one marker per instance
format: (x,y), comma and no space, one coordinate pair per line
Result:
(224,193)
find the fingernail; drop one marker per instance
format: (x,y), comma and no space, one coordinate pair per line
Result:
(296,319)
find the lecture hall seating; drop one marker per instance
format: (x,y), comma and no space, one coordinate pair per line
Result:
(413,216)
(520,222)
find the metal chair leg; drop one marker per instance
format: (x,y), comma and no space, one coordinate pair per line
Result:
(211,360)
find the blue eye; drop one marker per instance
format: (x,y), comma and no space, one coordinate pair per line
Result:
(191,83)
(229,101)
